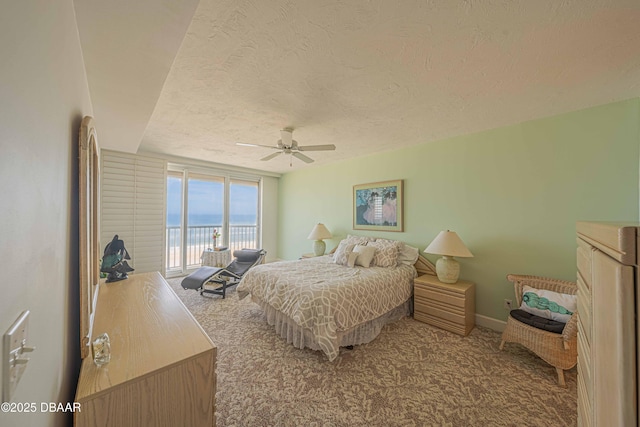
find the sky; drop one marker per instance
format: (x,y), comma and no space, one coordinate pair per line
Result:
(206,198)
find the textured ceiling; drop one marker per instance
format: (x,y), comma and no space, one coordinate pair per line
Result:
(370,76)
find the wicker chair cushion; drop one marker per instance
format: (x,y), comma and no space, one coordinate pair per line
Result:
(537,321)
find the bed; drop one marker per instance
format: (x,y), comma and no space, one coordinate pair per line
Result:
(322,304)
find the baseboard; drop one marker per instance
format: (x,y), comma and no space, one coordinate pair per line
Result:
(490,322)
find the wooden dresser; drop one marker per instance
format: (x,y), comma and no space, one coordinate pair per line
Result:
(447,306)
(607,258)
(162,368)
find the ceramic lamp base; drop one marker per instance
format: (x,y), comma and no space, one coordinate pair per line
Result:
(447,269)
(318,247)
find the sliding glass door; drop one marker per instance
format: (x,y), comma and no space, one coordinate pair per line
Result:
(200,206)
(205,208)
(243,214)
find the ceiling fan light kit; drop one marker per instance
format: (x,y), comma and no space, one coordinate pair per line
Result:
(287,145)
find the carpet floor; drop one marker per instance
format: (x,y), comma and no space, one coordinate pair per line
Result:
(412,374)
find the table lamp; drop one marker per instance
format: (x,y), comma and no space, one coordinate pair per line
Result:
(448,244)
(318,233)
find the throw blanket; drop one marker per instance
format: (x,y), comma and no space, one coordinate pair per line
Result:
(328,298)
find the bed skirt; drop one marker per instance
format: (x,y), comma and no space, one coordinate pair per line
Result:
(301,337)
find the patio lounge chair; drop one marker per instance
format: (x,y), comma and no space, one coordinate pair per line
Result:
(226,276)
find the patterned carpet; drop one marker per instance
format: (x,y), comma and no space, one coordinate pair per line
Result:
(411,375)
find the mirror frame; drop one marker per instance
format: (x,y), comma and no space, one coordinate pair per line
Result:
(89,228)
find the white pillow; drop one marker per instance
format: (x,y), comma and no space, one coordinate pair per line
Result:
(408,254)
(365,255)
(341,255)
(386,252)
(548,304)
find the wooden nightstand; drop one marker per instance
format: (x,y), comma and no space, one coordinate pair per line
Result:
(447,306)
(308,255)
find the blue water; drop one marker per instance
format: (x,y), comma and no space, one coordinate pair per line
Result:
(173,220)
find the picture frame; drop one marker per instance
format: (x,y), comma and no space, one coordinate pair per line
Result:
(378,206)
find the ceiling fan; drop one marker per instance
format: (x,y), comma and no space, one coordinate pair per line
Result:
(287,145)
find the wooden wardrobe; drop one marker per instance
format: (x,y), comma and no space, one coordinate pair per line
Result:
(607,260)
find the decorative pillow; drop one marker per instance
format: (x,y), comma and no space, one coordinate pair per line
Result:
(380,239)
(548,304)
(386,254)
(408,254)
(341,255)
(365,255)
(351,259)
(359,240)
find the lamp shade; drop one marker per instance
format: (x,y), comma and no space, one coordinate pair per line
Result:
(448,243)
(319,232)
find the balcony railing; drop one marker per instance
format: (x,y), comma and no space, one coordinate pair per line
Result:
(199,239)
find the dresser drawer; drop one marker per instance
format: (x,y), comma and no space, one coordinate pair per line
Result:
(584,259)
(455,299)
(584,405)
(584,365)
(584,310)
(445,324)
(442,311)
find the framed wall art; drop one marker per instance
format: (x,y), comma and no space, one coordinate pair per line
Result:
(378,206)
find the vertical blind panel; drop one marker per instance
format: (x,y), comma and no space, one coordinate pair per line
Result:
(132,206)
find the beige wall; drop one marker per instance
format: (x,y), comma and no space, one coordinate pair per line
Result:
(513,194)
(43,96)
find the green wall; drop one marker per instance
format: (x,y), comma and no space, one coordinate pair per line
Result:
(513,194)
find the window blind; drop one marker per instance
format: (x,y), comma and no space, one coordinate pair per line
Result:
(133,207)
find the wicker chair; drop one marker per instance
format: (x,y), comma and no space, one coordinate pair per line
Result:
(558,350)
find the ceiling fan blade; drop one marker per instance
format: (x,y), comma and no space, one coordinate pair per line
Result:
(271,156)
(302,157)
(286,136)
(327,147)
(246,144)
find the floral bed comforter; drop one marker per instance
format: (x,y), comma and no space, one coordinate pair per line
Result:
(326,298)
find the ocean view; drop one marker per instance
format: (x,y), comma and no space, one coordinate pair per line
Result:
(173,220)
(198,237)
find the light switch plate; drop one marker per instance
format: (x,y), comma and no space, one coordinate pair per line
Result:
(14,362)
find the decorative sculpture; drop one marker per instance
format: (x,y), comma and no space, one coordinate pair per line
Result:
(114,261)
